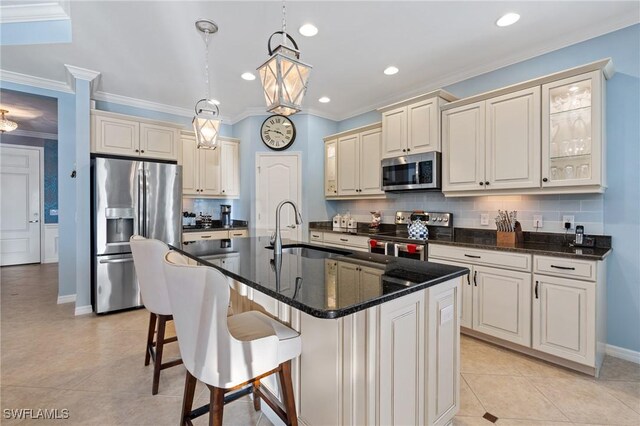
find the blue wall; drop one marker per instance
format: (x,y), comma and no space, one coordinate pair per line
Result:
(42,32)
(620,211)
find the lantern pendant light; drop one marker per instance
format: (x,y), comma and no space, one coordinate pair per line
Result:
(206,122)
(284,78)
(6,125)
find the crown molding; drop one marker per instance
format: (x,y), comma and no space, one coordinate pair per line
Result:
(261,111)
(29,80)
(143,104)
(32,134)
(35,12)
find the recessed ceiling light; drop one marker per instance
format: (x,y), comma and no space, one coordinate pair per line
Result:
(391,70)
(248,76)
(324,100)
(508,19)
(308,30)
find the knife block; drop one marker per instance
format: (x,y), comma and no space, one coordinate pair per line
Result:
(506,239)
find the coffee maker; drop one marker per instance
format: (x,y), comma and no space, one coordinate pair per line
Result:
(225,215)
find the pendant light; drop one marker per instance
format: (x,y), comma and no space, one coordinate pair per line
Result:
(7,125)
(284,78)
(206,122)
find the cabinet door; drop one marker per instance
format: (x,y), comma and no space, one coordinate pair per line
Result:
(564,318)
(189,164)
(348,165)
(158,142)
(229,168)
(463,148)
(369,155)
(466,293)
(116,136)
(502,304)
(572,143)
(331,168)
(394,132)
(209,169)
(513,140)
(423,118)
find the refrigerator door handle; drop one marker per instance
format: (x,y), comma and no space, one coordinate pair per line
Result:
(129,259)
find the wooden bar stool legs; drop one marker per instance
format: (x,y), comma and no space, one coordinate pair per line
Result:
(155,349)
(286,409)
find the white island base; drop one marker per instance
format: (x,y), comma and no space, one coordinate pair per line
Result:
(396,363)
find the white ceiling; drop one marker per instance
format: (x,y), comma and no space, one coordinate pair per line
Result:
(151,51)
(33,113)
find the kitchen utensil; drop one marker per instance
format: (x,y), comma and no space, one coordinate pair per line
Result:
(584,171)
(569,172)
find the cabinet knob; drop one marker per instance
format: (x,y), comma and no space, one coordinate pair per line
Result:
(223,190)
(142,150)
(335,192)
(545,179)
(408,149)
(137,150)
(487,183)
(404,150)
(481,183)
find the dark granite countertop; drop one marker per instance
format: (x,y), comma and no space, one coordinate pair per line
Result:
(540,243)
(311,282)
(201,229)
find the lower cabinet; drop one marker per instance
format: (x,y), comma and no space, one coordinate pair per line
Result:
(340,240)
(188,237)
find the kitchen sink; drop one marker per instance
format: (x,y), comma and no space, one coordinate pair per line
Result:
(311,252)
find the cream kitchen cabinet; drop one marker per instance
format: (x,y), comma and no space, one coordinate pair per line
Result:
(342,240)
(210,173)
(466,293)
(413,126)
(356,155)
(124,135)
(493,144)
(331,168)
(188,237)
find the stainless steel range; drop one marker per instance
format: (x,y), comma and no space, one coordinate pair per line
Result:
(400,244)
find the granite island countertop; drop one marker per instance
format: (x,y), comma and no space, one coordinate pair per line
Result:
(311,281)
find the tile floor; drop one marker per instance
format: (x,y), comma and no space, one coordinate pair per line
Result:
(93,366)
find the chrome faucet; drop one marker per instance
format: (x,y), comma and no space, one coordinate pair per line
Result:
(276,239)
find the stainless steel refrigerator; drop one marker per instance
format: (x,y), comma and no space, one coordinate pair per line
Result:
(128,198)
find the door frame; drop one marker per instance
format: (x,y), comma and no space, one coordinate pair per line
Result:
(261,154)
(40,150)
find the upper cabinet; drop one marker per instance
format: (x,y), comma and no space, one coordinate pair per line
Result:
(413,126)
(210,173)
(119,134)
(544,136)
(352,163)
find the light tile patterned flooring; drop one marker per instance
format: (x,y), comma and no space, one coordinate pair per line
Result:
(93,366)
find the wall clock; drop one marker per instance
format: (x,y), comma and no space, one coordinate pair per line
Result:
(278,132)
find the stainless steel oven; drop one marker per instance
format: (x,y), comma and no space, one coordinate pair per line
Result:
(416,251)
(419,171)
(380,247)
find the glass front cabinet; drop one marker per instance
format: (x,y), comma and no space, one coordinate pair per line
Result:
(573,132)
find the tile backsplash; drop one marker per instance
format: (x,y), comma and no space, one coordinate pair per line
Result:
(586,208)
(208,206)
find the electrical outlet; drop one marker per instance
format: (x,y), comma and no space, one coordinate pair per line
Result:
(484,219)
(570,219)
(537,221)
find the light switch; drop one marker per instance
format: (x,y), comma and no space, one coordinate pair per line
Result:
(484,219)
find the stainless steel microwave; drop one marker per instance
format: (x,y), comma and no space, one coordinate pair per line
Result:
(418,171)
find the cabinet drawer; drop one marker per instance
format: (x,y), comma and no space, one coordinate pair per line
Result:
(197,236)
(573,268)
(516,261)
(347,240)
(238,233)
(315,236)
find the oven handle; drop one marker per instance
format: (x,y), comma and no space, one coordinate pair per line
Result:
(403,247)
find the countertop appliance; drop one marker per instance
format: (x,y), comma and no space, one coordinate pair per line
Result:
(411,172)
(129,197)
(400,244)
(225,215)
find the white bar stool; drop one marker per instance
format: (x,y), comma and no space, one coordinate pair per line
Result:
(148,257)
(227,353)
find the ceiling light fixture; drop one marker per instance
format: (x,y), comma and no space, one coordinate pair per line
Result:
(308,30)
(248,76)
(324,100)
(508,19)
(391,70)
(206,122)
(284,78)
(7,125)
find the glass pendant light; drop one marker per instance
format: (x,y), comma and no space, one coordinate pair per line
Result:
(284,78)
(206,122)
(7,125)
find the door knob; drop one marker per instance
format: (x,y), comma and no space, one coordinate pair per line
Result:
(33,221)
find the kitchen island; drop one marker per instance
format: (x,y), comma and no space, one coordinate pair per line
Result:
(380,335)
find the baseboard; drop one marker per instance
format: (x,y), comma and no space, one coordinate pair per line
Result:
(66,299)
(84,310)
(622,353)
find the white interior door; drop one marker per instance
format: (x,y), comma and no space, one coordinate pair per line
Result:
(19,205)
(277,179)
